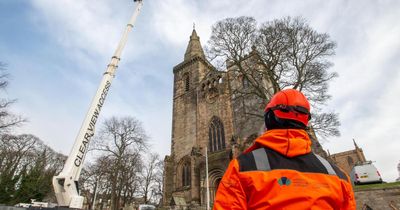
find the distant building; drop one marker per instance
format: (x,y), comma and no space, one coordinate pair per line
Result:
(346,160)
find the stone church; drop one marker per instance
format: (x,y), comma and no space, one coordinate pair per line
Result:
(207,116)
(348,159)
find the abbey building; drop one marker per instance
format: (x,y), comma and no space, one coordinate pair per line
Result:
(207,116)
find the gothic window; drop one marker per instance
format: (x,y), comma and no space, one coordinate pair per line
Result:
(186,174)
(216,135)
(187,81)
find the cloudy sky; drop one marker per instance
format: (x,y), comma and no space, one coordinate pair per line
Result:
(56,52)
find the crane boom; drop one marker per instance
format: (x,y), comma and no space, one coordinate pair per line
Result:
(66,183)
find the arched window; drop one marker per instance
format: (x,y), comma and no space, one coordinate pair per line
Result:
(186,175)
(187,81)
(216,135)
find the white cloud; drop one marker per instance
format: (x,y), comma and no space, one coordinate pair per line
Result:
(173,21)
(81,25)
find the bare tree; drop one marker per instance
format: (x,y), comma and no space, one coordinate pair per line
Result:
(14,152)
(149,178)
(8,120)
(279,54)
(95,180)
(157,187)
(122,141)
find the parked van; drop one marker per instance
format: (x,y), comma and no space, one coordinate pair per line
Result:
(364,173)
(23,205)
(146,207)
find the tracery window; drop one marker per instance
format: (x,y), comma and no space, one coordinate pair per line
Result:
(186,174)
(216,135)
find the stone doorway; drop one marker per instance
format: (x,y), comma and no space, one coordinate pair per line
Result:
(214,178)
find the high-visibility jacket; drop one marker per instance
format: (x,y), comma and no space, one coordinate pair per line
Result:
(279,171)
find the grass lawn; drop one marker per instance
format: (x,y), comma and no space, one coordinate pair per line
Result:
(376,186)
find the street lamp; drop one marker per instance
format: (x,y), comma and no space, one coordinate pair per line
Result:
(208,187)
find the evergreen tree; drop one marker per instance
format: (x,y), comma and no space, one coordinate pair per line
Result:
(35,183)
(8,184)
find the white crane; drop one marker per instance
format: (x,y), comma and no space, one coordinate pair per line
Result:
(66,183)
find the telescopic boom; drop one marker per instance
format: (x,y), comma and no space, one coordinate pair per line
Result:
(66,183)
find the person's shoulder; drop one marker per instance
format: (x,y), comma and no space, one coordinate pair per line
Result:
(339,172)
(254,160)
(246,162)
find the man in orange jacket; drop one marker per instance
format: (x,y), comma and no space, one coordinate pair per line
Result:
(279,171)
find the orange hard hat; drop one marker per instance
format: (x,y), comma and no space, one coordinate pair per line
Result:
(290,104)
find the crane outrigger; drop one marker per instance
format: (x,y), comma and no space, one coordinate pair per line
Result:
(66,183)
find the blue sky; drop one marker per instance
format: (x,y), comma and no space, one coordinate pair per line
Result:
(56,52)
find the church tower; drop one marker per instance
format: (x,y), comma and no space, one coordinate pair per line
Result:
(187,76)
(202,119)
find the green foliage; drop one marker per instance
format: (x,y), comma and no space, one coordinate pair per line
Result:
(7,187)
(35,183)
(377,186)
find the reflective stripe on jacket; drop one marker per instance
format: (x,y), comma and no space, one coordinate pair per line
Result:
(280,172)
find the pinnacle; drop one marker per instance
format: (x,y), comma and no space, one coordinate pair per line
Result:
(194,47)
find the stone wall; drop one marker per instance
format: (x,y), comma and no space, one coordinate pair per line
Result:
(378,198)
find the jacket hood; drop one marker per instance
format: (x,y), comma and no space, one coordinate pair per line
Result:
(288,142)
